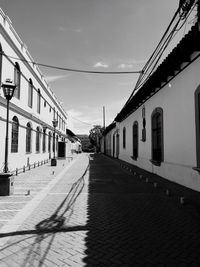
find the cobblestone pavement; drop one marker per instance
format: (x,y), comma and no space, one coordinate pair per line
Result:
(102,215)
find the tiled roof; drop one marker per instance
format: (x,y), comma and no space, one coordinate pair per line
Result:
(166,71)
(109,128)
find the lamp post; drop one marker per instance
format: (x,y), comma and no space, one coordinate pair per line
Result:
(8,90)
(6,179)
(53,160)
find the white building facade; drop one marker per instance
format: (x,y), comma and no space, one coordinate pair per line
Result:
(32,109)
(159,128)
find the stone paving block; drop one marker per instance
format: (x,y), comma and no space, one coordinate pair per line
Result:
(108,222)
(7,214)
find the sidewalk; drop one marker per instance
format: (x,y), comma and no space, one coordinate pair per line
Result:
(26,186)
(41,232)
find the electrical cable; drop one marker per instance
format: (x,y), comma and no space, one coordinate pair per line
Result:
(81,121)
(158,52)
(171,36)
(71,69)
(152,56)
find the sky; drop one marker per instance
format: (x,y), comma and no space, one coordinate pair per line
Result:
(97,35)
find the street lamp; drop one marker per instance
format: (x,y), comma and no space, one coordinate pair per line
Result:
(53,160)
(8,90)
(6,179)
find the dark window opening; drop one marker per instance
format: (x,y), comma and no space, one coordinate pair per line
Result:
(124,137)
(15,135)
(30,93)
(157,136)
(17,80)
(135,140)
(28,137)
(37,140)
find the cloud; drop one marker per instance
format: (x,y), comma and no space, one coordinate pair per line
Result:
(54,78)
(80,122)
(61,29)
(125,66)
(76,30)
(100,64)
(129,65)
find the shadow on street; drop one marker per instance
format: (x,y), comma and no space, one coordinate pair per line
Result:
(129,223)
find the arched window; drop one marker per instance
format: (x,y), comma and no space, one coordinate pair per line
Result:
(44,141)
(38,134)
(38,101)
(17,80)
(15,135)
(124,137)
(49,142)
(0,62)
(135,140)
(157,136)
(30,93)
(28,137)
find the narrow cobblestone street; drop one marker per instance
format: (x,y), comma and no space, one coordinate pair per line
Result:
(96,213)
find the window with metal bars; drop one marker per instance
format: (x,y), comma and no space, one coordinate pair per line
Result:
(38,134)
(28,137)
(135,140)
(17,80)
(157,136)
(30,93)
(49,142)
(44,141)
(14,135)
(124,137)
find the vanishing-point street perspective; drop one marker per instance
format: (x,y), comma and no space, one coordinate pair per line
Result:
(99,133)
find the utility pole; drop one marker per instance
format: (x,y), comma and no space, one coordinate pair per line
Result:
(104,127)
(104,117)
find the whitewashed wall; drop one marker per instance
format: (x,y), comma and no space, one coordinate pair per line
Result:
(177,101)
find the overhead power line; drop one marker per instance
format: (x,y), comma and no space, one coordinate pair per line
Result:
(71,69)
(81,120)
(168,35)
